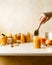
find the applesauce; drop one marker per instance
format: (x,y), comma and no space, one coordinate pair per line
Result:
(36,42)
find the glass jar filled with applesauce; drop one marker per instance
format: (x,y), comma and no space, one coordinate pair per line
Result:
(3,39)
(22,39)
(36,41)
(28,37)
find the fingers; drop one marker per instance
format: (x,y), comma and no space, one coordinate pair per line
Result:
(43,18)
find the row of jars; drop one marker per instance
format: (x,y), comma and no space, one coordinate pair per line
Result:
(9,38)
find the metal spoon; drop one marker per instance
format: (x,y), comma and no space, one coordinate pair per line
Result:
(36,32)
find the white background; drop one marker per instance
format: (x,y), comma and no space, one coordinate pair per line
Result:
(22,16)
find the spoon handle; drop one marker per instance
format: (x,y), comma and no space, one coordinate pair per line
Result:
(39,26)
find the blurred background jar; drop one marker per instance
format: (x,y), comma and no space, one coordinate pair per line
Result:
(3,39)
(9,40)
(28,37)
(22,39)
(14,38)
(18,36)
(9,35)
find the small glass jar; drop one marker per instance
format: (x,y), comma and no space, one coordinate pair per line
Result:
(36,42)
(3,40)
(14,38)
(9,40)
(9,35)
(28,37)
(18,36)
(22,39)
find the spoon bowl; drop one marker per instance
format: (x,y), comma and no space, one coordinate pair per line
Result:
(36,32)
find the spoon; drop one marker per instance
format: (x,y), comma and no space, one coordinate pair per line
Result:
(36,32)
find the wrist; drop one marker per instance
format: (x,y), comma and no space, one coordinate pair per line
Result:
(49,14)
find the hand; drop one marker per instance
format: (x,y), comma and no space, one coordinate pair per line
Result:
(45,17)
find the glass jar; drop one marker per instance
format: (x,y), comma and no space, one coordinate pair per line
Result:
(3,39)
(36,42)
(14,38)
(22,39)
(28,37)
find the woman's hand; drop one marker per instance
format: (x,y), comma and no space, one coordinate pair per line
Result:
(44,17)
